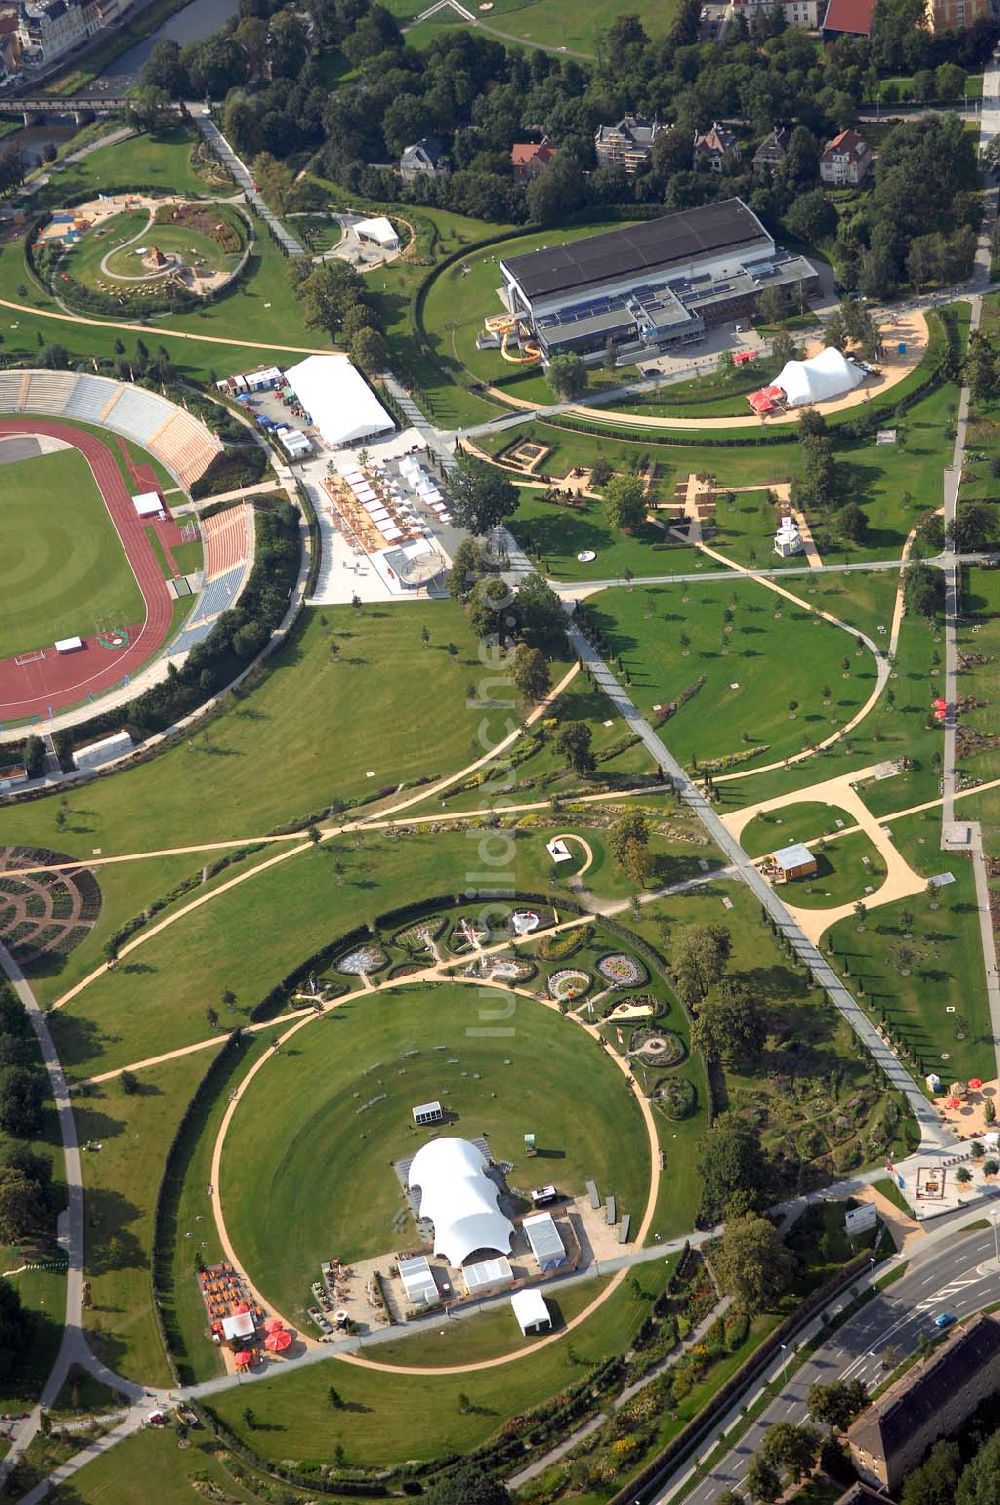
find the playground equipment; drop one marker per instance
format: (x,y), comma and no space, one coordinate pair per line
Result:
(505,325)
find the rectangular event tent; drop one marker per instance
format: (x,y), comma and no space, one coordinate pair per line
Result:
(343,406)
(529,1308)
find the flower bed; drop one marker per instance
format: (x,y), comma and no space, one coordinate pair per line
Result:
(621,970)
(675,1096)
(567,984)
(657,1047)
(362,960)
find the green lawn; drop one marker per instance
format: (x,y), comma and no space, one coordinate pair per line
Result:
(800,822)
(170,1475)
(488,1333)
(776,653)
(303,1155)
(554,536)
(241,942)
(120,1182)
(846,870)
(914,983)
(311,732)
(390,1419)
(555,24)
(63,570)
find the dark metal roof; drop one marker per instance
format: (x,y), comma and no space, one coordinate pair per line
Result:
(916,1400)
(650,246)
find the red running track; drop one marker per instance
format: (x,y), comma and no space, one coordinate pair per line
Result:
(60,680)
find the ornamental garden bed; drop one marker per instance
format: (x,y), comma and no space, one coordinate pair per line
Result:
(622,970)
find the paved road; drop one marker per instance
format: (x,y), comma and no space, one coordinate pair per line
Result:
(933,1133)
(959,1274)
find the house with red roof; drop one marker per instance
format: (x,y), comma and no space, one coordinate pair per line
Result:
(848,18)
(846,160)
(529,158)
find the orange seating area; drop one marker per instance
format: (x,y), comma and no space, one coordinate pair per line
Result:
(226,539)
(185,447)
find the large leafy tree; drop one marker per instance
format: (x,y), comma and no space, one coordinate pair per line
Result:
(733,1168)
(481,497)
(838,1403)
(752,1264)
(729,1027)
(699,959)
(625,502)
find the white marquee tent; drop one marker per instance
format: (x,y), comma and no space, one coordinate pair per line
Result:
(379,230)
(460,1199)
(825,376)
(338,399)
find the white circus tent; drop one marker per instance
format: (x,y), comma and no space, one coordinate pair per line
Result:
(819,379)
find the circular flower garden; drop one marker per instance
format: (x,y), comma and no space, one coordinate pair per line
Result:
(675,1097)
(622,971)
(568,983)
(362,960)
(661,1046)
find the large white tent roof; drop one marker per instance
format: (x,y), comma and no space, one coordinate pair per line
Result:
(819,379)
(338,399)
(460,1199)
(378,229)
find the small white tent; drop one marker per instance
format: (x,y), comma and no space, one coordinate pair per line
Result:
(820,379)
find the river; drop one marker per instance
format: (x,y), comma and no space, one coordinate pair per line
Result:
(194,23)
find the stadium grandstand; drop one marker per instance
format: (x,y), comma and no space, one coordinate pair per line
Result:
(649,285)
(173,436)
(227,539)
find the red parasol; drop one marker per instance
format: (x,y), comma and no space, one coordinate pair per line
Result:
(954,1102)
(273,1325)
(278,1341)
(240,1308)
(244,1358)
(975,1084)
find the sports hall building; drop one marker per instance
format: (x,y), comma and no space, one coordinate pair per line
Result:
(646,286)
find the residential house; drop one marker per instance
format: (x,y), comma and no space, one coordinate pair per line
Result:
(529,158)
(848,18)
(50,29)
(424,158)
(803,13)
(716,148)
(956,15)
(627,144)
(846,160)
(770,155)
(930,1401)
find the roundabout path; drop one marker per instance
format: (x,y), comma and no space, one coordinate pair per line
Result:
(436,973)
(900,882)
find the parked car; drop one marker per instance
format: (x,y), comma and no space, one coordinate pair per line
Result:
(944,1319)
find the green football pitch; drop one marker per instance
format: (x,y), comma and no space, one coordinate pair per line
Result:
(63,570)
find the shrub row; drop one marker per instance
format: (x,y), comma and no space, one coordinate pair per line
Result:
(315,1484)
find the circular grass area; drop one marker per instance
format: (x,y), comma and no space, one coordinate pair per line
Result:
(307,1168)
(846,871)
(803,821)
